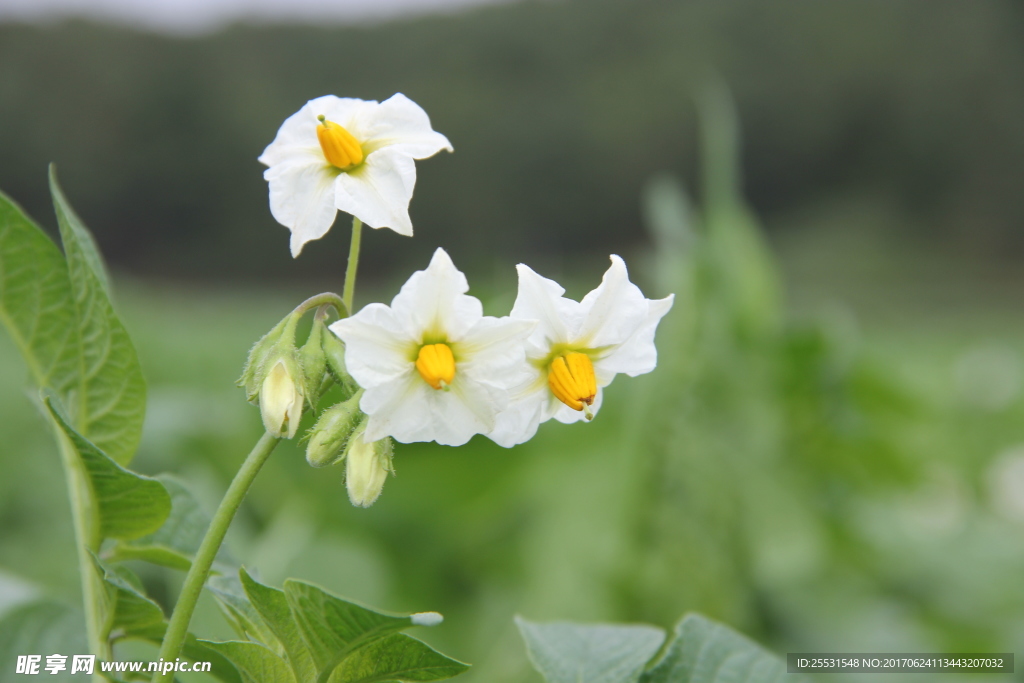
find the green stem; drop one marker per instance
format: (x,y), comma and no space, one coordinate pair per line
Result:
(177,628)
(353,264)
(87,541)
(321,300)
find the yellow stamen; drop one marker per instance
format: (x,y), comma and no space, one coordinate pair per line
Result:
(339,147)
(572,381)
(436,365)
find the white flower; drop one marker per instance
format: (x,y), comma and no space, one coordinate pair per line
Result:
(349,155)
(577,348)
(433,367)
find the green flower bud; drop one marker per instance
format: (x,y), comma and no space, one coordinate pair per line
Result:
(313,361)
(332,431)
(282,397)
(256,365)
(366,467)
(334,351)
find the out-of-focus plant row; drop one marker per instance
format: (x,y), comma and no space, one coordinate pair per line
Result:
(558,110)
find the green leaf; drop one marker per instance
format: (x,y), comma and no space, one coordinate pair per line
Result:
(597,653)
(240,613)
(35,301)
(333,628)
(703,651)
(128,611)
(43,627)
(196,651)
(254,662)
(397,657)
(175,543)
(129,504)
(272,606)
(110,393)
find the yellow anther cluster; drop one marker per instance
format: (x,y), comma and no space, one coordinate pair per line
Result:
(572,381)
(436,365)
(339,147)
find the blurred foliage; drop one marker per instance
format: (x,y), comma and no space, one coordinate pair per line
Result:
(776,473)
(558,112)
(815,485)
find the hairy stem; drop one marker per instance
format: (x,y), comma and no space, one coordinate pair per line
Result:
(348,293)
(200,570)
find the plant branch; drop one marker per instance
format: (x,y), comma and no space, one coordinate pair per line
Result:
(177,628)
(353,264)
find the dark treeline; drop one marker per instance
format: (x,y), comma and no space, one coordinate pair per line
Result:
(558,111)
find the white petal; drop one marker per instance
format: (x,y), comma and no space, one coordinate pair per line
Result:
(637,355)
(613,311)
(302,199)
(377,347)
(519,421)
(409,410)
(378,192)
(402,125)
(434,301)
(494,351)
(541,299)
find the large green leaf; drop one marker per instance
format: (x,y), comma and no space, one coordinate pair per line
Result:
(129,505)
(110,398)
(703,651)
(396,657)
(333,628)
(597,653)
(41,628)
(35,301)
(254,662)
(272,606)
(175,543)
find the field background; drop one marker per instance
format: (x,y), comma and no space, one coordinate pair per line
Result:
(830,456)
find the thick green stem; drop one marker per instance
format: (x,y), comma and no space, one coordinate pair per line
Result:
(177,629)
(348,293)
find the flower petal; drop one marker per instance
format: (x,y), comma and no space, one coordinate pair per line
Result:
(434,303)
(378,192)
(519,421)
(401,124)
(541,299)
(377,346)
(638,354)
(302,199)
(613,311)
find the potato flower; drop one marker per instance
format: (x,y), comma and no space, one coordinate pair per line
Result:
(577,348)
(343,154)
(433,367)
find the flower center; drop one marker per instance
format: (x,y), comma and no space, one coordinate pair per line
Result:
(436,365)
(339,147)
(572,381)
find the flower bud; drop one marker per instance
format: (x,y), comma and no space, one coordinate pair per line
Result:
(366,467)
(332,431)
(282,397)
(255,367)
(334,352)
(313,362)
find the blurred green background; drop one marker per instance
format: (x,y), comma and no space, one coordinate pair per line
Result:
(830,455)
